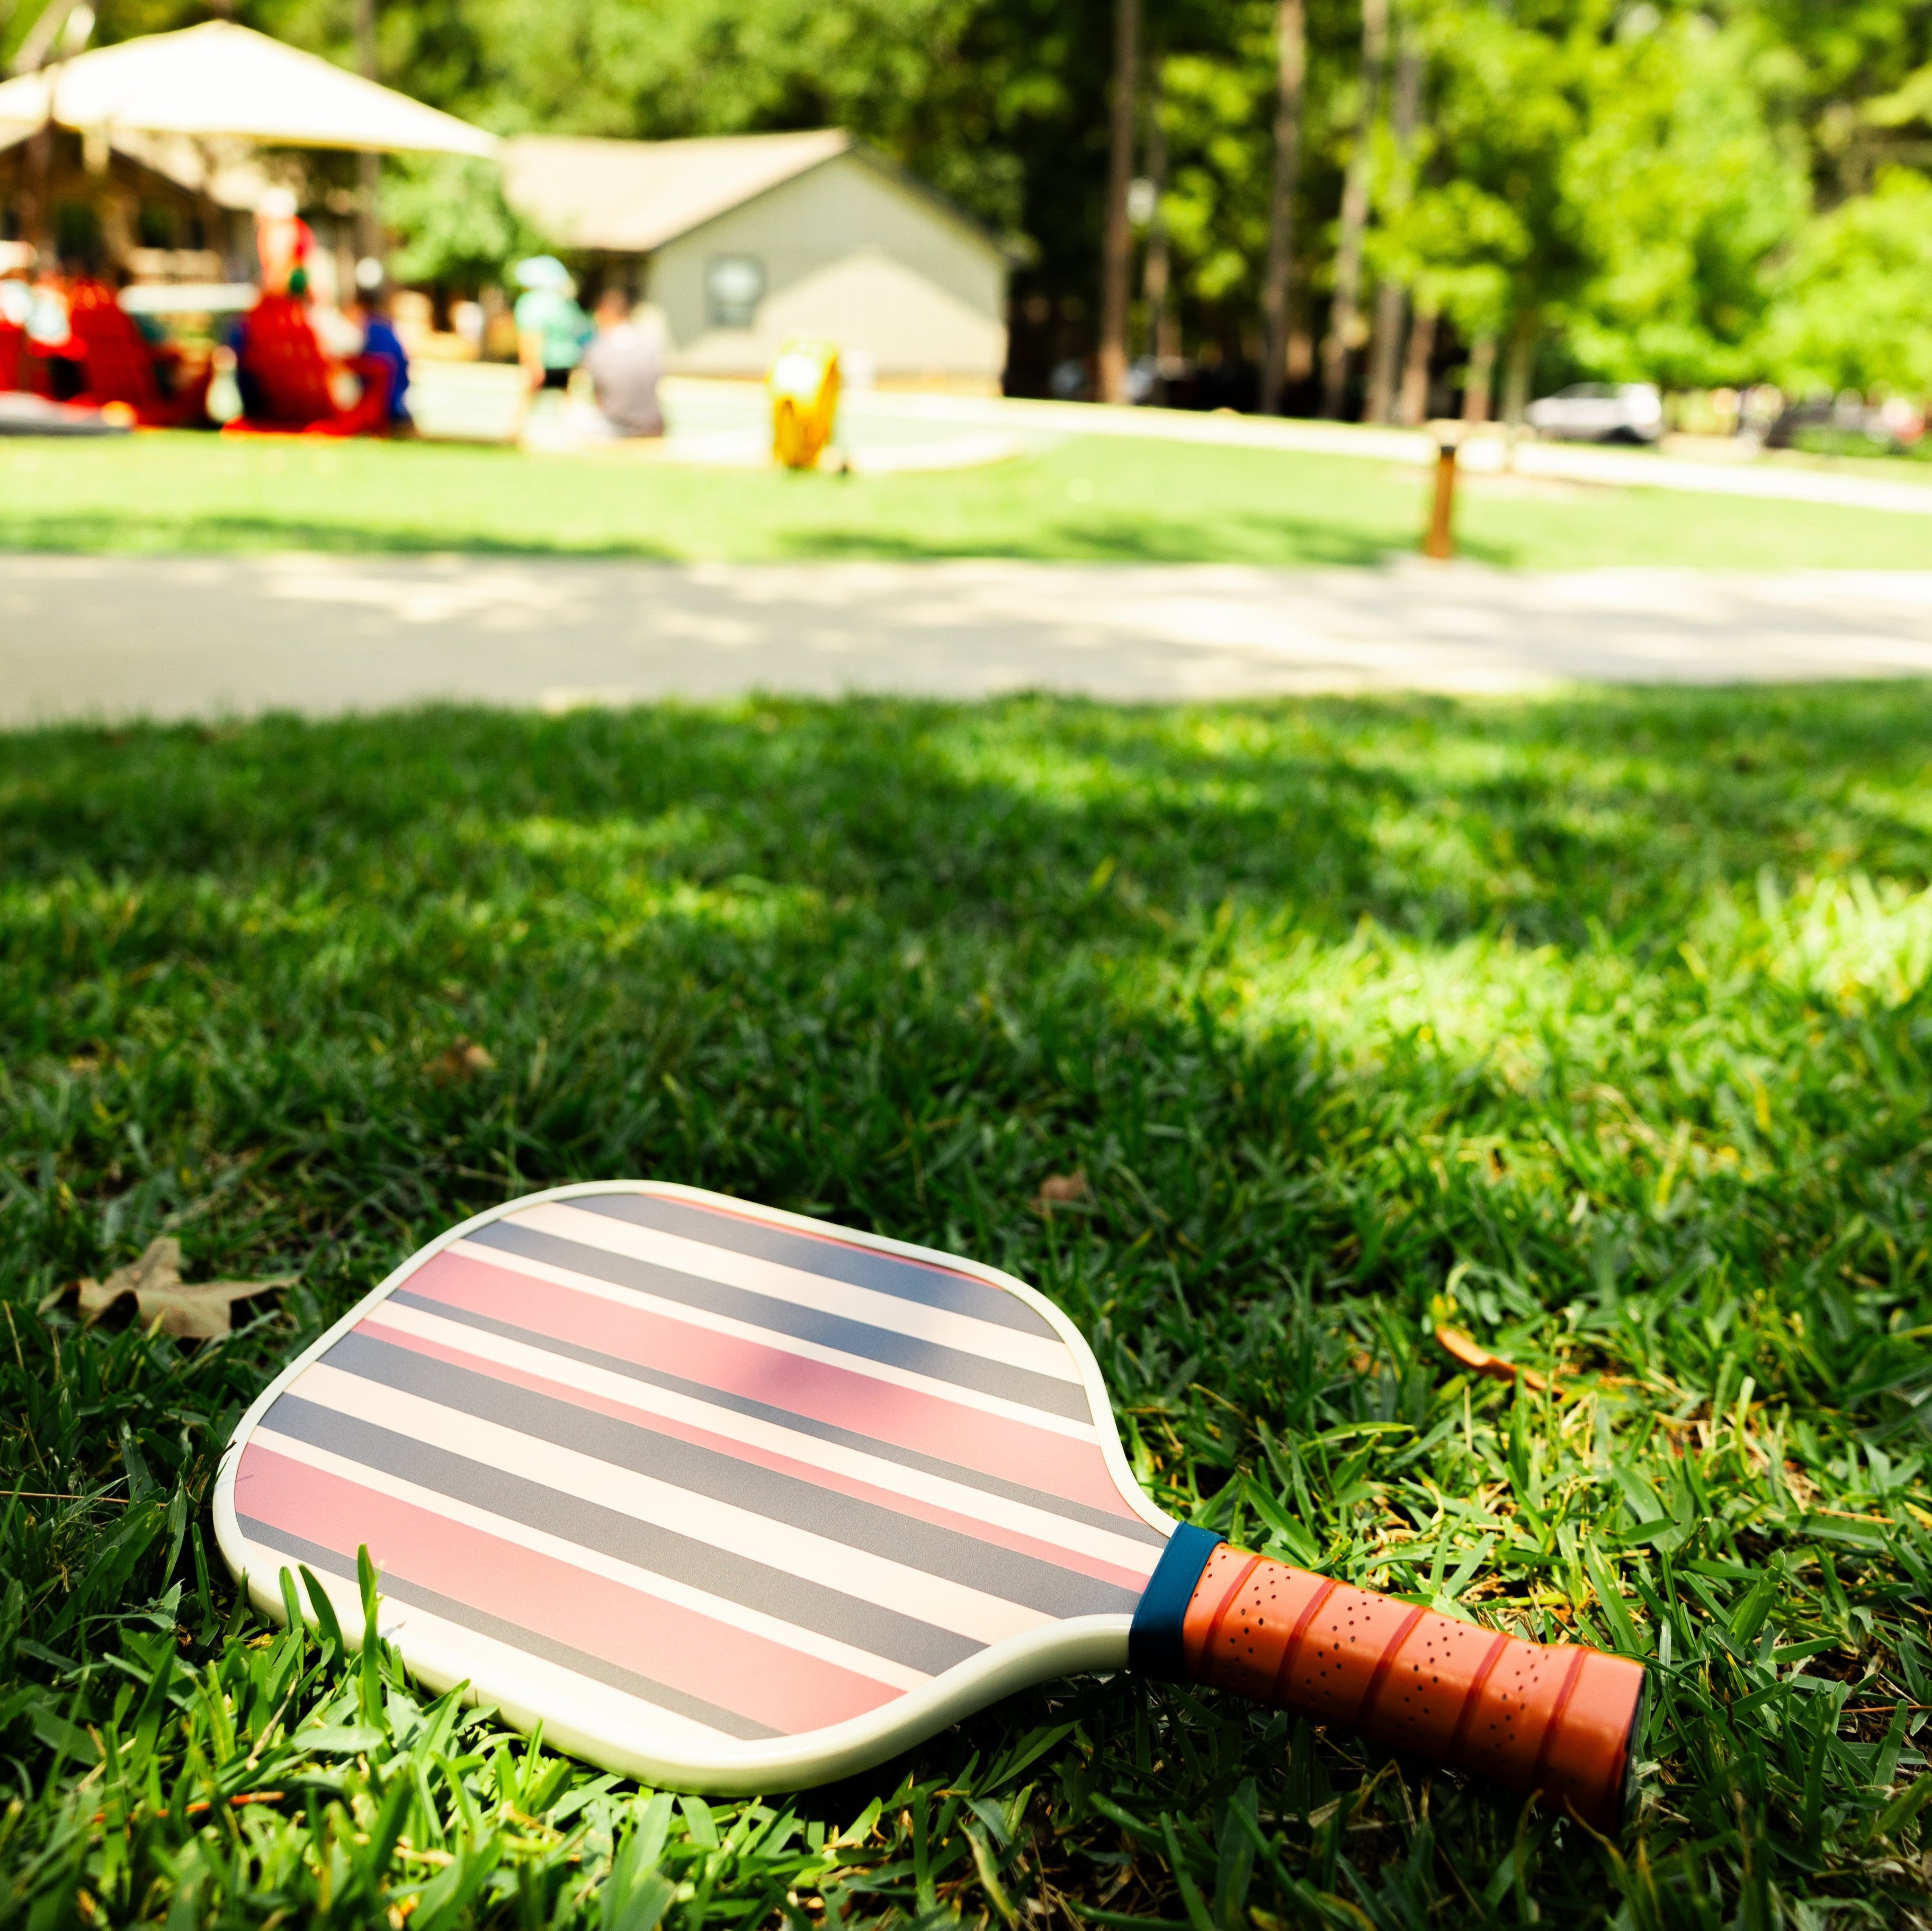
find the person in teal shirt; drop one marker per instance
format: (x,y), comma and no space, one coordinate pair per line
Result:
(551,329)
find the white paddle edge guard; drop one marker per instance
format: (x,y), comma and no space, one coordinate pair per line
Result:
(1078,1644)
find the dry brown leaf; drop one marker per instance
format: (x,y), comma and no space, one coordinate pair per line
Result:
(1061,1190)
(462,1061)
(1479,1361)
(199,1312)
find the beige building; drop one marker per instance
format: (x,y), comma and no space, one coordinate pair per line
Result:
(744,241)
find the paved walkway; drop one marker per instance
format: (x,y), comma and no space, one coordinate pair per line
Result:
(102,637)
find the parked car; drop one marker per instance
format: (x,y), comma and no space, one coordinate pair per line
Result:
(1601,413)
(1845,425)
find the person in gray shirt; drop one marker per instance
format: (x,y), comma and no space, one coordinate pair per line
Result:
(624,364)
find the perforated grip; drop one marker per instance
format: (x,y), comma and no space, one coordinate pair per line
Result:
(1529,1715)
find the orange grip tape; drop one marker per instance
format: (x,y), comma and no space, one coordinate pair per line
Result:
(1556,1718)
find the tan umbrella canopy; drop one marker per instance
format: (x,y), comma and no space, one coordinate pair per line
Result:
(219,80)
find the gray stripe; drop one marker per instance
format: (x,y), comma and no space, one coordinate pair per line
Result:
(738,1483)
(532,1642)
(929,1358)
(777,1592)
(861,1267)
(1131,1527)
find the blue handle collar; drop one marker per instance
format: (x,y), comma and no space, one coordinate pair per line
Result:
(1153,1643)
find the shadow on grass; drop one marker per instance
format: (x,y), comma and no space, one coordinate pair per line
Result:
(1116,539)
(1554,817)
(136,534)
(1254,539)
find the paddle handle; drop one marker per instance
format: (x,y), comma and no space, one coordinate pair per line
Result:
(1557,1718)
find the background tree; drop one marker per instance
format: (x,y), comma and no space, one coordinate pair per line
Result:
(1291,38)
(1342,314)
(1686,195)
(1675,190)
(1396,176)
(1116,242)
(1854,301)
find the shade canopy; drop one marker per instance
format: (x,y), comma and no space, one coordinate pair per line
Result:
(220,80)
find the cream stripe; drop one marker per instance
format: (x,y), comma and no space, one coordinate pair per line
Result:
(1057,1531)
(784,1344)
(513,1675)
(947,1605)
(718,1609)
(1038,1353)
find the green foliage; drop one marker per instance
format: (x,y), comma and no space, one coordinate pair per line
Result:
(457,228)
(1635,176)
(1600,1025)
(1512,105)
(1690,196)
(1857,307)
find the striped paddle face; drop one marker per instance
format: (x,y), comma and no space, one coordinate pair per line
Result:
(728,1498)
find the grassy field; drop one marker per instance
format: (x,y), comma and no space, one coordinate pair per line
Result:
(1102,500)
(1600,1027)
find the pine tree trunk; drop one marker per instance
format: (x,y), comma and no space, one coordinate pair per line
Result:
(1118,247)
(1391,311)
(1477,381)
(1342,316)
(1291,34)
(1516,373)
(1517,369)
(1412,409)
(1391,298)
(1163,342)
(368,166)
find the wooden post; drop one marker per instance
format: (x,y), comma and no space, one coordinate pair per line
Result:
(1440,542)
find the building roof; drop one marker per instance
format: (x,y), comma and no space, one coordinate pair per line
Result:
(221,79)
(629,197)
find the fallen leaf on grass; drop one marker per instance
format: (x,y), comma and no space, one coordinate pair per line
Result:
(1061,1190)
(190,1312)
(1478,1360)
(462,1061)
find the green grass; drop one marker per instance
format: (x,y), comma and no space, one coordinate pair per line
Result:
(1100,500)
(1599,1025)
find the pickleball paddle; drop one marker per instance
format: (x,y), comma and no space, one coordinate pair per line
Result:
(736,1501)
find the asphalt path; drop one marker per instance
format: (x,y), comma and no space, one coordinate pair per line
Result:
(113,638)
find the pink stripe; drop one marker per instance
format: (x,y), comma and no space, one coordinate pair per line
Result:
(781,1688)
(1002,1537)
(949,1432)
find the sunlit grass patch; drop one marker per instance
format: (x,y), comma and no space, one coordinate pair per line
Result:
(1860,945)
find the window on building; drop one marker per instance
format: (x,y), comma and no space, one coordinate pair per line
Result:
(734,285)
